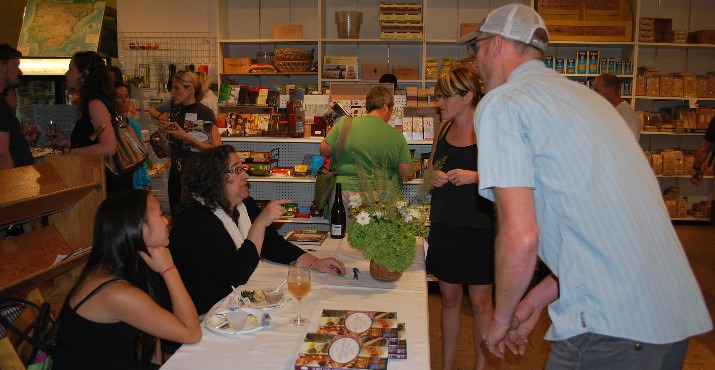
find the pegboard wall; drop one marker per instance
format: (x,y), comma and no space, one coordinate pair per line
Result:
(158,50)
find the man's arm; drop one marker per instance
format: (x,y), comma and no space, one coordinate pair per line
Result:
(5,157)
(325,149)
(701,154)
(515,258)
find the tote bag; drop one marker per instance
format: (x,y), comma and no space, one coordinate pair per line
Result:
(130,150)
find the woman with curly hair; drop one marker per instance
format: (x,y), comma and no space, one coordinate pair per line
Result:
(93,92)
(112,310)
(220,235)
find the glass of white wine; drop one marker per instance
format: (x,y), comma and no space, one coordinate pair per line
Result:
(299,286)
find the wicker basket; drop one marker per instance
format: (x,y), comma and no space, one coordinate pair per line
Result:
(290,54)
(293,65)
(380,272)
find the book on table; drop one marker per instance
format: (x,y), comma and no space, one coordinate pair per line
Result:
(307,237)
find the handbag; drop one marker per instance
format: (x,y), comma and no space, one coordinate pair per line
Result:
(325,179)
(130,150)
(40,335)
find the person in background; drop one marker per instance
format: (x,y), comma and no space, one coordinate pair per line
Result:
(14,149)
(122,100)
(390,79)
(621,293)
(93,91)
(461,238)
(706,146)
(371,143)
(220,234)
(209,99)
(185,94)
(112,310)
(609,86)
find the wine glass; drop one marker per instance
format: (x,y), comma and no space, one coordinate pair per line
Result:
(53,131)
(299,286)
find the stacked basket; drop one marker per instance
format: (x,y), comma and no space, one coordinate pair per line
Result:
(293,60)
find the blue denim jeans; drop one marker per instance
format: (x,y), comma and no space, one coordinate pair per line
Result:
(591,351)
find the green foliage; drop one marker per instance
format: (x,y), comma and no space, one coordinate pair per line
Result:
(384,226)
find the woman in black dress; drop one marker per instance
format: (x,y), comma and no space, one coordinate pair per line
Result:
(93,91)
(186,140)
(461,239)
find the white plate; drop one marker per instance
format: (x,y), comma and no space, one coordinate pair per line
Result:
(218,324)
(238,303)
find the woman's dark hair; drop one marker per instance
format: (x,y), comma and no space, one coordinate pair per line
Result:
(95,79)
(116,73)
(117,239)
(205,177)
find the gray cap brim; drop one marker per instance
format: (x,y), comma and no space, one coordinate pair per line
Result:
(468,38)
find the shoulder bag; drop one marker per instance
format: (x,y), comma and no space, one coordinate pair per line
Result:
(40,335)
(324,179)
(130,150)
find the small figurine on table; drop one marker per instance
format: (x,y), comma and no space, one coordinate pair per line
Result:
(356,272)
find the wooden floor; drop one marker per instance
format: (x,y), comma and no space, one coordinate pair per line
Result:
(699,244)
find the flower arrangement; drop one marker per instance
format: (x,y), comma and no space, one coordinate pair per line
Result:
(384,225)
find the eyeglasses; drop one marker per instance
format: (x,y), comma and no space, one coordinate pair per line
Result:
(238,170)
(473,47)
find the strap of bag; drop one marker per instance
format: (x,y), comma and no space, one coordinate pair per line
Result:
(43,328)
(444,130)
(116,117)
(343,137)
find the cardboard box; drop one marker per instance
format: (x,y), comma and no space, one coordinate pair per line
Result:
(406,72)
(236,65)
(593,56)
(582,62)
(702,37)
(466,28)
(287,31)
(407,128)
(417,130)
(373,71)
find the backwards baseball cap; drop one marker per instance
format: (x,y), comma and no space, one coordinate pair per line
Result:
(515,22)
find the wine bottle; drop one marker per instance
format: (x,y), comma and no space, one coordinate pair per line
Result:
(337,215)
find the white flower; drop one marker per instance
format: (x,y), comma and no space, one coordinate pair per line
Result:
(401,204)
(355,201)
(363,218)
(414,213)
(408,218)
(378,214)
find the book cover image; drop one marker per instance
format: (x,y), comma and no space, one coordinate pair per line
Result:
(307,237)
(367,325)
(332,352)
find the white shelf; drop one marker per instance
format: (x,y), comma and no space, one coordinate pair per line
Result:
(311,220)
(374,41)
(672,98)
(268,139)
(591,43)
(691,219)
(268,41)
(271,74)
(679,177)
(306,180)
(675,46)
(594,75)
(673,133)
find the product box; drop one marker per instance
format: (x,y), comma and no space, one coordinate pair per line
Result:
(236,65)
(341,68)
(603,66)
(571,66)
(549,61)
(417,128)
(611,65)
(373,71)
(619,68)
(428,128)
(628,68)
(407,127)
(582,62)
(406,72)
(287,31)
(559,65)
(593,56)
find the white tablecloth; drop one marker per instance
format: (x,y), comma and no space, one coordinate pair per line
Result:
(277,346)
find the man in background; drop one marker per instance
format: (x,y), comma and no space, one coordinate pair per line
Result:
(608,86)
(14,150)
(707,145)
(571,185)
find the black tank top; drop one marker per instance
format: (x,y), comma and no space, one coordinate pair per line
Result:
(459,206)
(84,344)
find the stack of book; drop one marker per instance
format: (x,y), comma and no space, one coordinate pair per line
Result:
(400,21)
(353,339)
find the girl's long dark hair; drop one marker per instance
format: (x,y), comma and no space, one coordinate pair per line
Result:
(205,176)
(117,239)
(95,79)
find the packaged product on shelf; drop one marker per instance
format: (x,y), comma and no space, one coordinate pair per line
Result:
(431,69)
(627,68)
(407,127)
(559,65)
(701,87)
(549,61)
(652,85)
(657,164)
(582,62)
(406,72)
(711,84)
(640,85)
(417,124)
(603,65)
(626,88)
(593,56)
(666,85)
(611,65)
(571,66)
(677,86)
(619,68)
(428,128)
(668,162)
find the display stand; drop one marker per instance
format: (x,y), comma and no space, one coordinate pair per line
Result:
(62,194)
